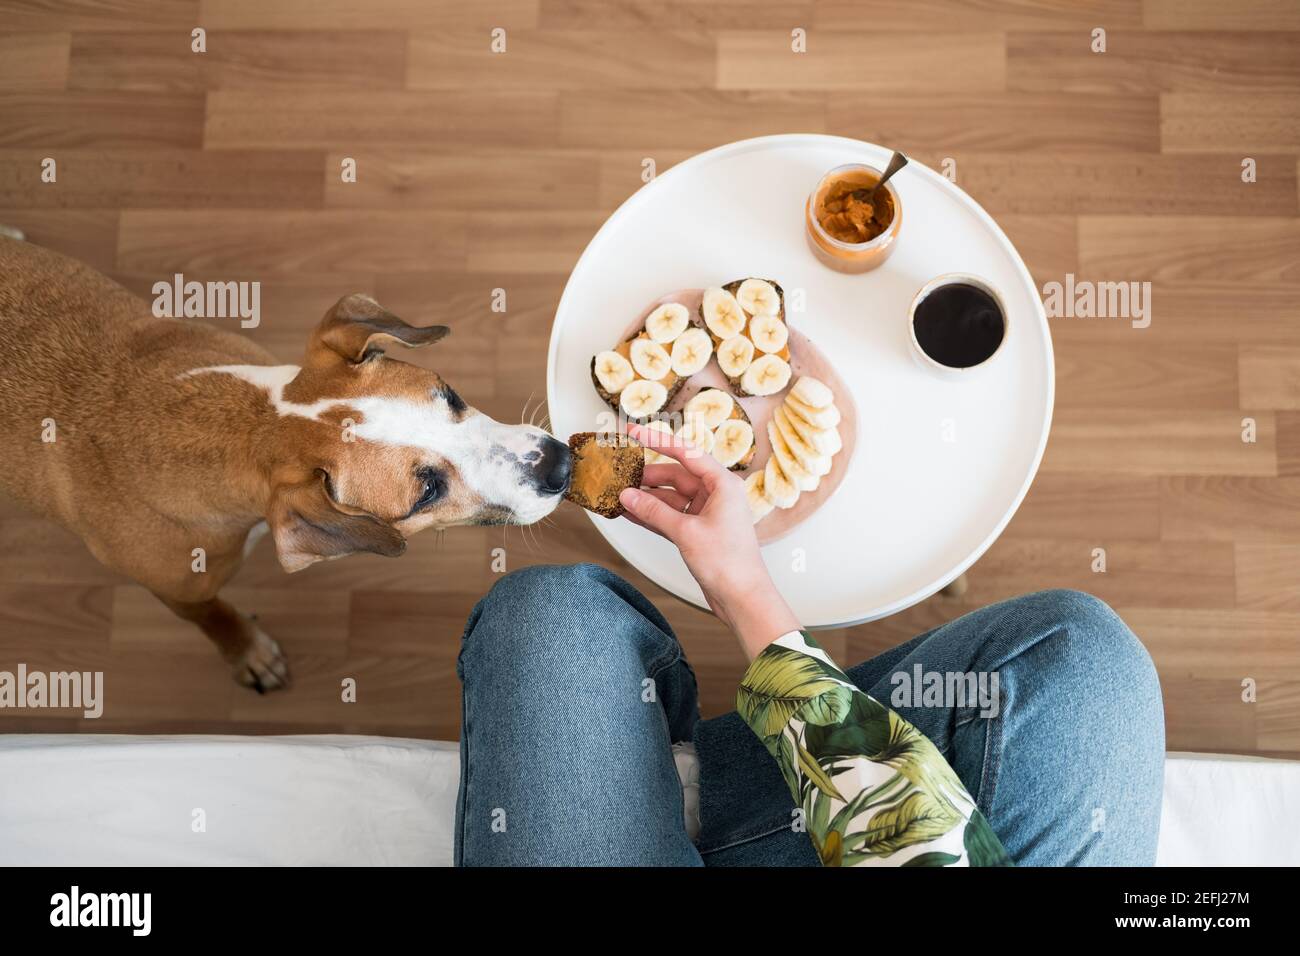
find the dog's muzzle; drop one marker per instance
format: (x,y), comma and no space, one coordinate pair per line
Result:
(554,468)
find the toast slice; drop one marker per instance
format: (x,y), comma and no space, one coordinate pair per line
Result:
(736,381)
(603,465)
(672,382)
(747,459)
(737,413)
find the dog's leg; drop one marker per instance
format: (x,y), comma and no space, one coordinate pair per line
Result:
(256,659)
(164,565)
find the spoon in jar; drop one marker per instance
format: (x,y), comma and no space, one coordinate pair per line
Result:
(896,162)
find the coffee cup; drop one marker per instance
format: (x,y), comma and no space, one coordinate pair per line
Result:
(957,324)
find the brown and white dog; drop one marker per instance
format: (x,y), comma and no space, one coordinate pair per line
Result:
(151,437)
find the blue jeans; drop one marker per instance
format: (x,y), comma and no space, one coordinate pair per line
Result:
(575,690)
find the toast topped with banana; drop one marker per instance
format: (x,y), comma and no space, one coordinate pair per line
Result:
(714,422)
(746,321)
(742,323)
(643,373)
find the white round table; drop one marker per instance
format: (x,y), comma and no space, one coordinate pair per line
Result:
(940,466)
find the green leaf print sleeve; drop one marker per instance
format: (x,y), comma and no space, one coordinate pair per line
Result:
(874,790)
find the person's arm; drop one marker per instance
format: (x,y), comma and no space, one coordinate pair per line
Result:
(715,535)
(873,790)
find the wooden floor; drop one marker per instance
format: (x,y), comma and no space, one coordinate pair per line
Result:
(482,171)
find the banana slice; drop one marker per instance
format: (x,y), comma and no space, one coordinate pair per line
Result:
(691,351)
(810,391)
(698,435)
(758,297)
(735,355)
(779,489)
(732,441)
(613,372)
(712,406)
(766,375)
(825,440)
(653,457)
(802,478)
(722,313)
(756,495)
(643,398)
(667,322)
(650,359)
(827,417)
(818,463)
(768,332)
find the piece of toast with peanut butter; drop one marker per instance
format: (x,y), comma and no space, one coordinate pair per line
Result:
(603,465)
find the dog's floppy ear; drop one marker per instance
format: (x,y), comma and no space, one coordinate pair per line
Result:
(309,527)
(357,324)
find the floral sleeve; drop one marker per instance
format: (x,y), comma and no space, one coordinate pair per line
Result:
(874,790)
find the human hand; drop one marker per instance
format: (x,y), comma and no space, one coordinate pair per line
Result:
(700,507)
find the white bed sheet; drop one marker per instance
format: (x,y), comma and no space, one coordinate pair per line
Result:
(357,801)
(89,799)
(1224,810)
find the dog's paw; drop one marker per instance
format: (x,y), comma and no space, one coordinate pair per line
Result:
(262,666)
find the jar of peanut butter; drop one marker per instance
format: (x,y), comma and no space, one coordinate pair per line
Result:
(846,231)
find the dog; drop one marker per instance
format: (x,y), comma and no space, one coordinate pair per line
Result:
(151,438)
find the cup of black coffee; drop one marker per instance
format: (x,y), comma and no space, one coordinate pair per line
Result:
(957,323)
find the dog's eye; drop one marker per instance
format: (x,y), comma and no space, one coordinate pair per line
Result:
(454,401)
(432,487)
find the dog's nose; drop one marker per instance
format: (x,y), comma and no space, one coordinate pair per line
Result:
(554,468)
